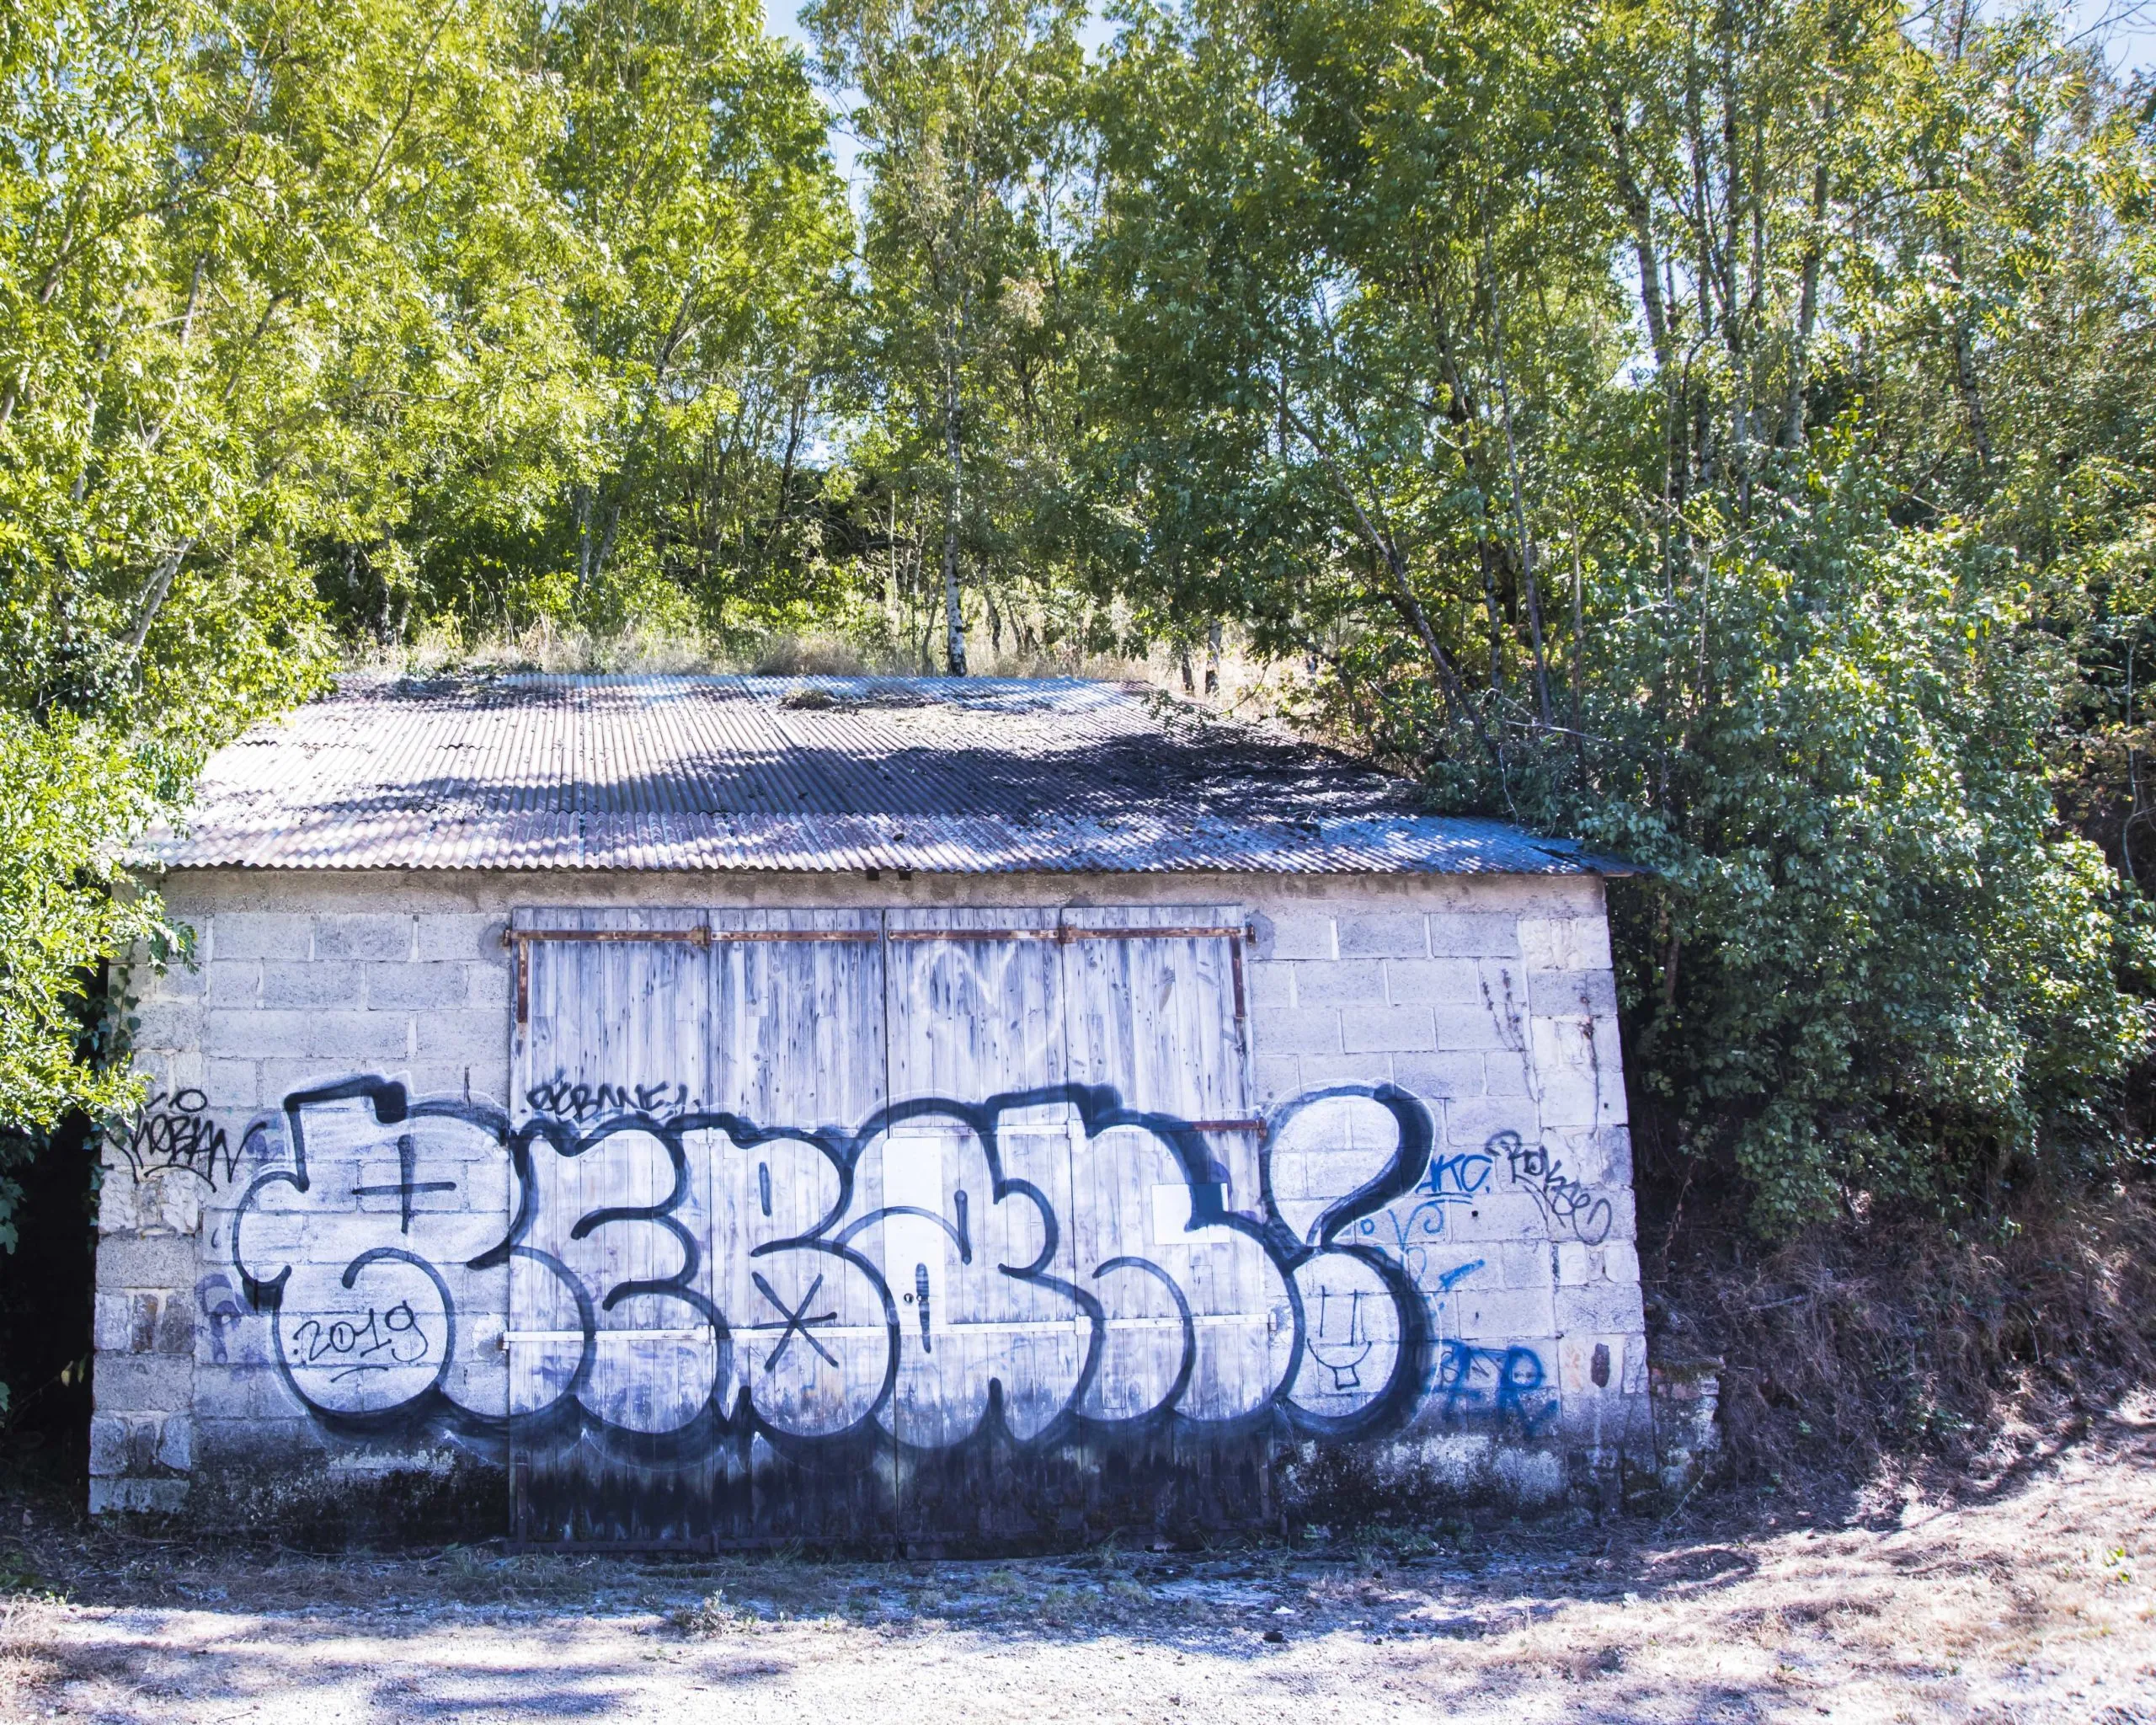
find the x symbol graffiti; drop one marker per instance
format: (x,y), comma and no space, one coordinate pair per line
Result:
(793,1323)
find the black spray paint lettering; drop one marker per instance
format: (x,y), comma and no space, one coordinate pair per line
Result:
(794,1321)
(175,1132)
(1369,1335)
(567,1101)
(407,1186)
(346,1346)
(1348,1351)
(1568,1204)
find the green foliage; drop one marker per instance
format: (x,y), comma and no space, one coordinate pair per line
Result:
(966,110)
(1719,429)
(1873,961)
(70,796)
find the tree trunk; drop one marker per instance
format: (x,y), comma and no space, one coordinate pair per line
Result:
(153,598)
(954,616)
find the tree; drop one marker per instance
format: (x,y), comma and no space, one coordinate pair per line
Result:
(214,238)
(1607,407)
(962,106)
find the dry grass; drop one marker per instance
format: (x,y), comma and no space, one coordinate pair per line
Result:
(1245,686)
(2029,1602)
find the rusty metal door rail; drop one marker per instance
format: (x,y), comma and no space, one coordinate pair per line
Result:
(1063,936)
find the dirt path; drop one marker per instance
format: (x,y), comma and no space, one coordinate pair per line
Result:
(2035,1602)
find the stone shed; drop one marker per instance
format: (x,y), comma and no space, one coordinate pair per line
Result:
(664,1110)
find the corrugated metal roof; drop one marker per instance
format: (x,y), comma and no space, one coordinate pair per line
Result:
(948,776)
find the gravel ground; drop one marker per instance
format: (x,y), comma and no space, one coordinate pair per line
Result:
(2032,1599)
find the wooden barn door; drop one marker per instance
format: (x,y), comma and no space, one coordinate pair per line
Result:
(1156,1013)
(652,1305)
(751,1139)
(1038,1318)
(991,1349)
(616,1363)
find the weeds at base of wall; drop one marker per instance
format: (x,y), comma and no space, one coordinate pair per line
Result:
(1886,1345)
(1370,1493)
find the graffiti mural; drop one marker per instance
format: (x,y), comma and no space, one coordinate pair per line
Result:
(1569,1204)
(174,1134)
(1049,1263)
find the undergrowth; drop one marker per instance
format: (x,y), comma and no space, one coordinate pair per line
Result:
(1885,1340)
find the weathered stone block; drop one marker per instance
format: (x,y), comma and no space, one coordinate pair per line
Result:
(1432,1076)
(238,1033)
(1519,1263)
(178,981)
(1384,935)
(112,1322)
(1472,934)
(1551,993)
(1475,1028)
(1569,1075)
(1295,936)
(138,1496)
(328,983)
(142,1383)
(227,1391)
(1303,1030)
(155,1260)
(237,983)
(1386,1029)
(456,936)
(1472,1122)
(490,984)
(1349,982)
(350,1041)
(168,1024)
(1565,942)
(261,934)
(1503,1314)
(1496,1216)
(372,935)
(460,1035)
(233,1089)
(1605,1308)
(1277,1077)
(175,1447)
(1433,982)
(109,1445)
(1506,1074)
(1320,1070)
(415,986)
(1591,1367)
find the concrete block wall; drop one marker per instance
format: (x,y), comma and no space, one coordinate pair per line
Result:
(1488,998)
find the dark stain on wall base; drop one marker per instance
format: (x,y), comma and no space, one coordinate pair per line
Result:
(989,1495)
(295,1500)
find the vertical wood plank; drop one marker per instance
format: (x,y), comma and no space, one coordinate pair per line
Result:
(1155,1018)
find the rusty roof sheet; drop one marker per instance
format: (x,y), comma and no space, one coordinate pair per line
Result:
(947,776)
